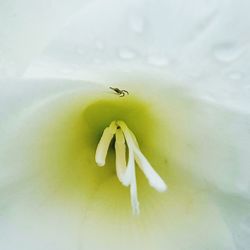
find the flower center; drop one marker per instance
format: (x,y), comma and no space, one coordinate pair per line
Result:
(125,138)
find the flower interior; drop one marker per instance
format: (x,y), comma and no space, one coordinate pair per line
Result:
(66,139)
(57,157)
(62,146)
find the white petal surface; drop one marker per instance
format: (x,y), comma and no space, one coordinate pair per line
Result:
(190,62)
(94,205)
(202,50)
(26,27)
(208,41)
(205,47)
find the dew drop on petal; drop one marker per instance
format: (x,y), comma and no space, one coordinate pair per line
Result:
(243,187)
(158,61)
(80,51)
(99,45)
(126,54)
(137,24)
(242,234)
(97,60)
(235,75)
(227,52)
(66,71)
(246,224)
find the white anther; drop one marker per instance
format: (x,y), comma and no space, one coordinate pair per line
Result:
(120,154)
(103,145)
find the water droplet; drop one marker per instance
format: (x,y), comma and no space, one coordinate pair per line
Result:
(158,61)
(66,71)
(80,51)
(99,45)
(227,52)
(137,24)
(235,75)
(242,187)
(126,54)
(208,98)
(76,66)
(97,61)
(246,223)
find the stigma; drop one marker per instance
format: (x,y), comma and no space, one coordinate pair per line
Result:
(125,168)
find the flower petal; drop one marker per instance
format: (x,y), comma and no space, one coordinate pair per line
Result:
(50,179)
(173,37)
(26,28)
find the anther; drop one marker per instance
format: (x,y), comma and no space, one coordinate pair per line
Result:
(103,145)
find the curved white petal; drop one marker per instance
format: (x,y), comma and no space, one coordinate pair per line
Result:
(27,27)
(237,216)
(205,47)
(49,179)
(200,146)
(209,41)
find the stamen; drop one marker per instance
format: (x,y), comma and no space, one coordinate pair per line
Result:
(103,145)
(129,177)
(126,178)
(120,154)
(127,174)
(154,179)
(133,187)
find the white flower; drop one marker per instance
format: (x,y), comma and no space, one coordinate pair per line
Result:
(185,66)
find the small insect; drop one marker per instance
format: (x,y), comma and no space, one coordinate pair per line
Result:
(120,92)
